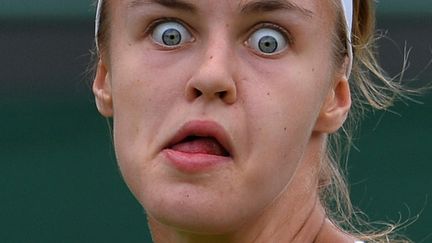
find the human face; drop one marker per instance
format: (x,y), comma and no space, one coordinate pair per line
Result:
(259,108)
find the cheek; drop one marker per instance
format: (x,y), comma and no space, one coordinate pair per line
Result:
(143,96)
(145,87)
(285,104)
(281,110)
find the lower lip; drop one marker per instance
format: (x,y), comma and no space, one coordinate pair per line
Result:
(194,163)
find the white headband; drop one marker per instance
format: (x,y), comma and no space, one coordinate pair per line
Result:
(97,22)
(348,12)
(346,4)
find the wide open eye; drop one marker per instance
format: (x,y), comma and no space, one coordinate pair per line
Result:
(267,41)
(170,34)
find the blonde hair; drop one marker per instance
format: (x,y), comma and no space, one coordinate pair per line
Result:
(370,88)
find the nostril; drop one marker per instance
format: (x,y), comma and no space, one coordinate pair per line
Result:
(222,94)
(210,91)
(197,93)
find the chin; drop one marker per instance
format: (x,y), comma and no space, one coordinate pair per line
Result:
(192,208)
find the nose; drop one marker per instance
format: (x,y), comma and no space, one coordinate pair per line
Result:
(213,79)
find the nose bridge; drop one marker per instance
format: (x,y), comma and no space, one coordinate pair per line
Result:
(218,50)
(213,77)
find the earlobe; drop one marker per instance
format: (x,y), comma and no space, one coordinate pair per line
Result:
(102,91)
(335,109)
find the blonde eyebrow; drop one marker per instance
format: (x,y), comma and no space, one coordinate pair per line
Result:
(252,7)
(173,4)
(260,6)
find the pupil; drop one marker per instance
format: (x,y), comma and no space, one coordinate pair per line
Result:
(268,44)
(171,37)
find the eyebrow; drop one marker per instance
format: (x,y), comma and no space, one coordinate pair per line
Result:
(253,7)
(260,6)
(174,4)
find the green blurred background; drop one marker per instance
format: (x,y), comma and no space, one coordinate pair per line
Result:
(58,177)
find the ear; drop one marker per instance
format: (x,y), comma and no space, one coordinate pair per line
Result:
(336,106)
(102,91)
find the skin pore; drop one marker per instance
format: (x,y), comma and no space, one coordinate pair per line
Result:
(275,109)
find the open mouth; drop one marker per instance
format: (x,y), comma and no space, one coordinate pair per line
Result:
(201,138)
(194,144)
(199,146)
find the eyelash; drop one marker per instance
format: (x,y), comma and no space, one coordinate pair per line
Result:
(288,36)
(156,22)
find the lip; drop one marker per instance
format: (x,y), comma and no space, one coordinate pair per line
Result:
(193,163)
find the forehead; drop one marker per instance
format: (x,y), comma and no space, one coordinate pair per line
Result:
(321,10)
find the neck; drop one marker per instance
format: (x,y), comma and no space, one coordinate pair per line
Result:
(287,229)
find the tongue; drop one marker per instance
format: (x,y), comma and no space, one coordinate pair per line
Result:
(201,146)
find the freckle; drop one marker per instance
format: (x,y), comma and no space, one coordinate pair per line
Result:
(313,69)
(226,25)
(285,129)
(268,93)
(211,57)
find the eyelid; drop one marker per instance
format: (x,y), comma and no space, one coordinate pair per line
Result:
(288,36)
(153,24)
(158,21)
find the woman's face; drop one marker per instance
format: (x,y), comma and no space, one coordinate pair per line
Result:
(215,103)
